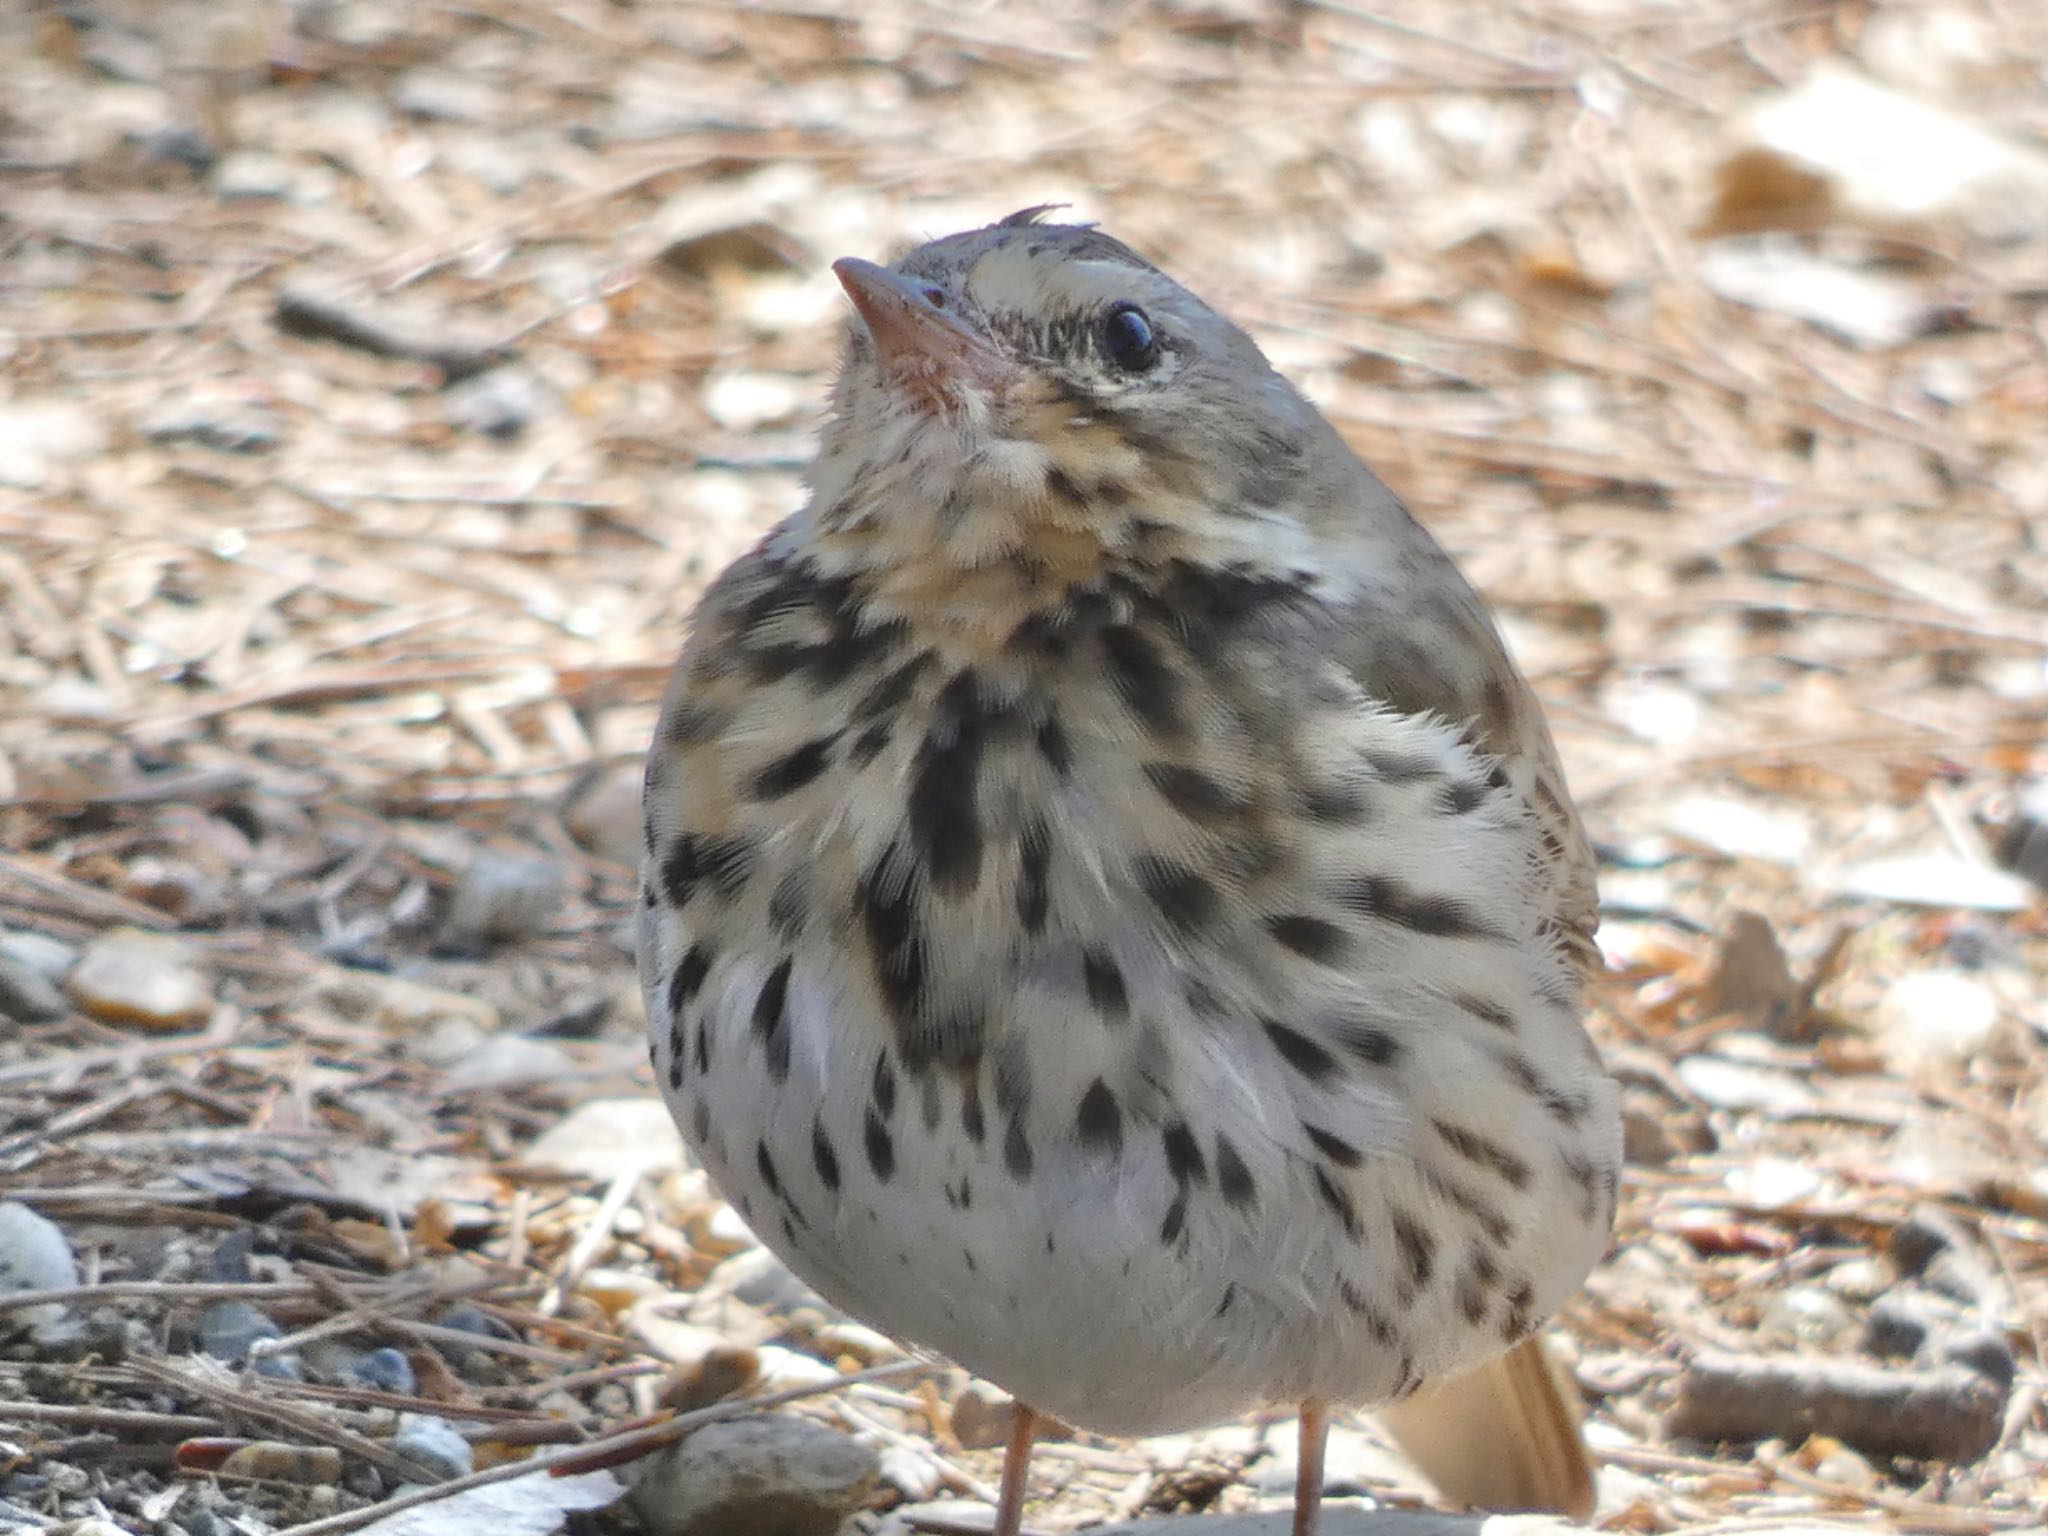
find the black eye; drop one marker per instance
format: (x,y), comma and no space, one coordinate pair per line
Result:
(1128,339)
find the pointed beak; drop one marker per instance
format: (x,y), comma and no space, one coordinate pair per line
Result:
(920,343)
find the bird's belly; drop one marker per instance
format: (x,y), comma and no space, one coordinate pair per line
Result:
(1061,1288)
(1100,1279)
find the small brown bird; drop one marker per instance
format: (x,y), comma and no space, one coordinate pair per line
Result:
(1112,911)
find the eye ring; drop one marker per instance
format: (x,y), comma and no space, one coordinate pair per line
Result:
(1128,339)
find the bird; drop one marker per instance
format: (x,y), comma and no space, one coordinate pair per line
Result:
(1112,912)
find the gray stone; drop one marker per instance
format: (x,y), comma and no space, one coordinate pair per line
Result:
(433,1442)
(49,958)
(770,1475)
(385,1370)
(27,996)
(34,1256)
(228,1330)
(503,897)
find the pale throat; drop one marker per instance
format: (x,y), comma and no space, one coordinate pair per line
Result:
(967,524)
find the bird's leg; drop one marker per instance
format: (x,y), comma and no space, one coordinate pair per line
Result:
(1308,1469)
(1016,1462)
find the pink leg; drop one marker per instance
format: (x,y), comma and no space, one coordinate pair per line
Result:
(1308,1475)
(1016,1462)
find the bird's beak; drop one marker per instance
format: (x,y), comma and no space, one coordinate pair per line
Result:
(920,344)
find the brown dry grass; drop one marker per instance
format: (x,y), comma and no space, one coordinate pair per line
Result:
(1784,596)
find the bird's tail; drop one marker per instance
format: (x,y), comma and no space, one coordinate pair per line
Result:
(1504,1437)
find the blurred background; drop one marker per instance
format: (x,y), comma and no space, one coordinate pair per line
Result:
(381,382)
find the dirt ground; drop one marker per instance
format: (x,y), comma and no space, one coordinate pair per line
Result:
(381,382)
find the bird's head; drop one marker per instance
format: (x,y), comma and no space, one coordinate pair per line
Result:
(1039,391)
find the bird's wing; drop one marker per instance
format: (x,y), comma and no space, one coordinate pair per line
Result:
(1427,646)
(1506,1436)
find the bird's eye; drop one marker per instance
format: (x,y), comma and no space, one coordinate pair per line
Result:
(1128,339)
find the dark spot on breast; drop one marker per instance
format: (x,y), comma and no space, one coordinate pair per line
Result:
(794,769)
(1485,1152)
(765,1165)
(1399,768)
(687,723)
(692,859)
(1300,1052)
(868,745)
(1017,1151)
(1061,487)
(972,1121)
(1183,1154)
(1143,682)
(1370,1042)
(887,696)
(1338,1202)
(1185,899)
(1485,1215)
(771,1021)
(1313,938)
(1335,805)
(930,1107)
(895,939)
(1486,1012)
(1053,746)
(883,1087)
(1476,1283)
(1233,1179)
(675,1067)
(1589,1182)
(1567,1109)
(824,1157)
(1392,901)
(1333,1146)
(881,1148)
(700,1122)
(1105,985)
(689,977)
(1418,1248)
(1460,799)
(1195,794)
(1176,1218)
(944,823)
(1099,1122)
(1376,1322)
(1034,856)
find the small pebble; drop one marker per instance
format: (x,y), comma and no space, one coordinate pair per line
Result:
(500,404)
(278,1462)
(51,959)
(433,1442)
(502,898)
(34,1256)
(229,1329)
(982,1418)
(127,976)
(230,1261)
(602,813)
(910,1472)
(770,1473)
(387,1371)
(27,996)
(284,1367)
